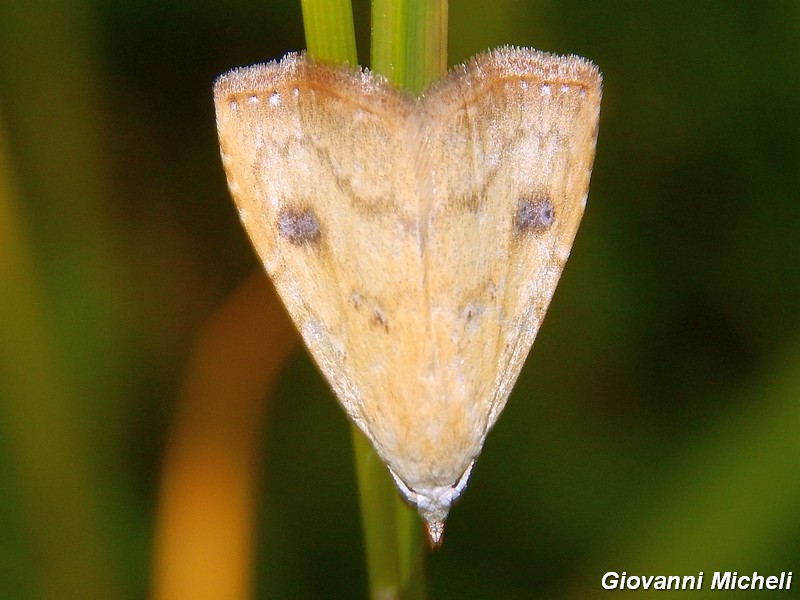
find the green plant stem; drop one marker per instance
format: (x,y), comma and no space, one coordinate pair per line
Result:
(329,30)
(409,46)
(409,41)
(392,531)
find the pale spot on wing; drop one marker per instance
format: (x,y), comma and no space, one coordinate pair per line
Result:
(472,316)
(360,116)
(315,332)
(272,262)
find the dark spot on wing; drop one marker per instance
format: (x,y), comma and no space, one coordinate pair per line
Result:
(534,215)
(379,320)
(298,226)
(374,311)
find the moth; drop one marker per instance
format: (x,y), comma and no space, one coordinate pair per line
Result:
(415,241)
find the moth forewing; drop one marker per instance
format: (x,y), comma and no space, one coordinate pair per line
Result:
(416,242)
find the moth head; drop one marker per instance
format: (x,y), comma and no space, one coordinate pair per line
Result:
(433,503)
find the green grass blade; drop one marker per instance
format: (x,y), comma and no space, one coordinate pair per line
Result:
(39,428)
(329,30)
(409,41)
(409,44)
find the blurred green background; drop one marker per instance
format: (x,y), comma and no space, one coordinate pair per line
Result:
(655,428)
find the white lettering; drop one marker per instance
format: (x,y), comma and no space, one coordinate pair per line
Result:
(689,580)
(721,581)
(610,580)
(757,580)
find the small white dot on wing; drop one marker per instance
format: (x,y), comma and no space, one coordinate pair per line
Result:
(271,262)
